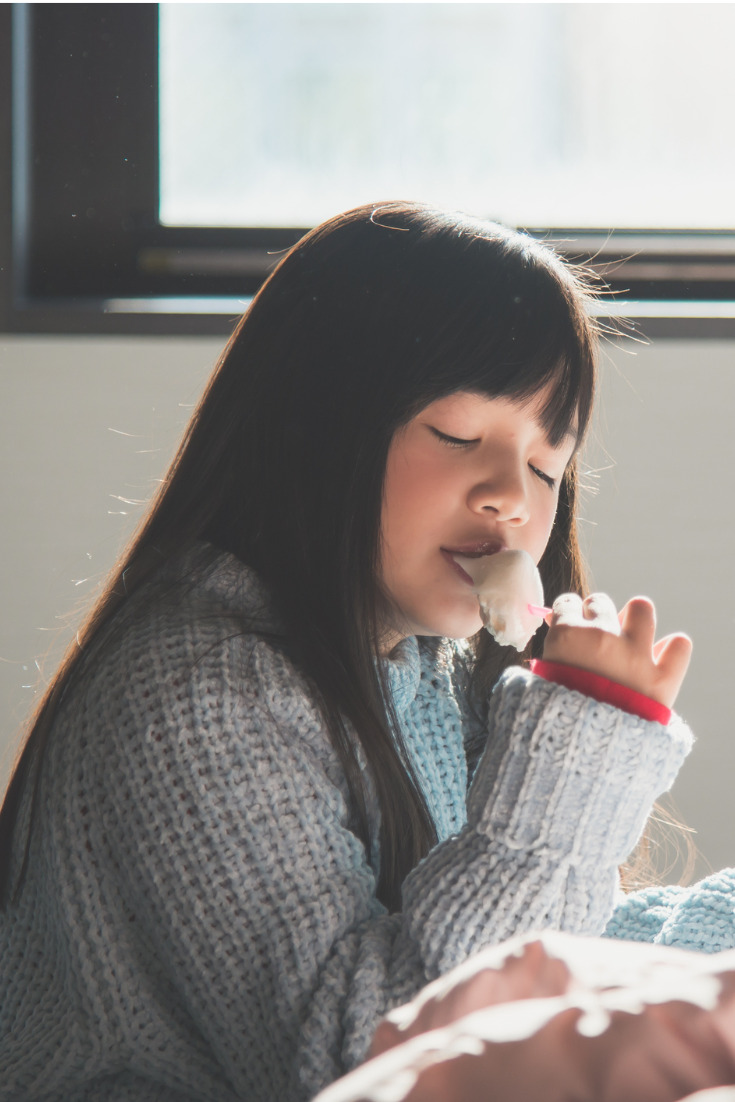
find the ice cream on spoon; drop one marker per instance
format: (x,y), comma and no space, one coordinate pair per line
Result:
(511,596)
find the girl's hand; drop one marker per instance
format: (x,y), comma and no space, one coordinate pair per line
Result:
(592,636)
(519,969)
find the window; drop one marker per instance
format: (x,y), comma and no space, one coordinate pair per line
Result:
(164,156)
(595,115)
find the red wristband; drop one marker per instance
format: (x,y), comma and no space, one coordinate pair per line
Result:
(602,689)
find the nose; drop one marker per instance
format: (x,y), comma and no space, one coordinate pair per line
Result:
(504,495)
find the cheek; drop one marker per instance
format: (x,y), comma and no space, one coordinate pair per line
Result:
(400,495)
(543,524)
(412,492)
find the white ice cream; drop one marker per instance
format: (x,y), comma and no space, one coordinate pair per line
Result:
(506,583)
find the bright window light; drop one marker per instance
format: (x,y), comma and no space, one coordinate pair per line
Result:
(588,115)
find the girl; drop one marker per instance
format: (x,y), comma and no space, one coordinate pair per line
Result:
(240,830)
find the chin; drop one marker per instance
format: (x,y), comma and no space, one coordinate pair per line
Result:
(452,627)
(464,634)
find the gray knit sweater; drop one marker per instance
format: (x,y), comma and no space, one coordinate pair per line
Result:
(199,920)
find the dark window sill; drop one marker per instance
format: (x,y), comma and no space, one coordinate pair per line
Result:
(126,317)
(217,316)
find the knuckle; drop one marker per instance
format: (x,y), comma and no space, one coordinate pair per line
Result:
(603,639)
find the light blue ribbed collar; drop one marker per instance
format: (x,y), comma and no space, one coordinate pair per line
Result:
(404,672)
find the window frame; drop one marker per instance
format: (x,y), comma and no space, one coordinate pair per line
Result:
(91,256)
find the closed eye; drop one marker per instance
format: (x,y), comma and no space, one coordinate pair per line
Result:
(551,482)
(461,442)
(453,441)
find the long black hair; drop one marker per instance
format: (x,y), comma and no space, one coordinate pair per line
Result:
(370,317)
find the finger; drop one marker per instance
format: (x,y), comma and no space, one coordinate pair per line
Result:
(567,609)
(661,645)
(386,1036)
(638,620)
(672,655)
(601,610)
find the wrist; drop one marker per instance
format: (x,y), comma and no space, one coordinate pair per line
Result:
(602,689)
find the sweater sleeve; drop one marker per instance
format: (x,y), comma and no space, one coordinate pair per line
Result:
(558,801)
(235,851)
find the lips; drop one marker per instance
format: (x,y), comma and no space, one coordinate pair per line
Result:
(470,551)
(476,550)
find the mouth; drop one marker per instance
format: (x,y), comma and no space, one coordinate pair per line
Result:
(470,551)
(476,550)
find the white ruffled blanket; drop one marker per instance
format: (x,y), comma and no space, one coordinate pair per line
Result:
(555,1018)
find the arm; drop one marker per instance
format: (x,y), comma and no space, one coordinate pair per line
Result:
(226,818)
(558,801)
(558,1017)
(613,659)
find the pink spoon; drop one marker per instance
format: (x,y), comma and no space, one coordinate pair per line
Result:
(539,610)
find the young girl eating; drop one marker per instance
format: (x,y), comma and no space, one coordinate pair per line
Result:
(272,791)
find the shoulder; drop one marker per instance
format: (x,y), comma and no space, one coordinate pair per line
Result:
(187,610)
(191,714)
(196,648)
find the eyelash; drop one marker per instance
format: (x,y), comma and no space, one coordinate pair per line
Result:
(550,482)
(453,441)
(458,442)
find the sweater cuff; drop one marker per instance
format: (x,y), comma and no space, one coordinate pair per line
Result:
(567,776)
(602,689)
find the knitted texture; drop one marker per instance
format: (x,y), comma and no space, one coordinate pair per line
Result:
(199,920)
(700,917)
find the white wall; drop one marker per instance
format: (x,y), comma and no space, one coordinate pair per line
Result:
(85,419)
(663,524)
(81,420)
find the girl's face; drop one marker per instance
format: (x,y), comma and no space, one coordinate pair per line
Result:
(467,475)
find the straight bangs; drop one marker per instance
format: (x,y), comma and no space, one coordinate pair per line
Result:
(556,356)
(509,320)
